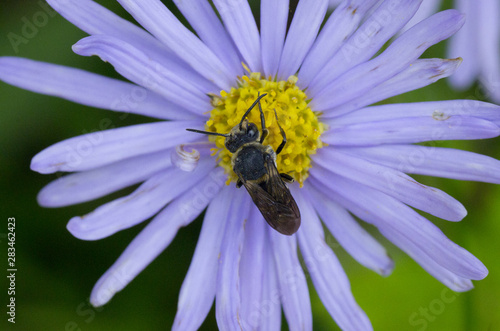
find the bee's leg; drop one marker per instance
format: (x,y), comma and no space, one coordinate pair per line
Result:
(251,107)
(263,122)
(280,147)
(287,178)
(239,183)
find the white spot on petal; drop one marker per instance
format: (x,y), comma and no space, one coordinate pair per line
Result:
(184,160)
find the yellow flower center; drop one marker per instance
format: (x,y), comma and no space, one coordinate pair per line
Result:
(300,123)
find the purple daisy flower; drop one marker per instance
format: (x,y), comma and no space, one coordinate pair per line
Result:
(347,157)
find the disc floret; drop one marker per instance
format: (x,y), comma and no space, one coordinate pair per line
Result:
(300,123)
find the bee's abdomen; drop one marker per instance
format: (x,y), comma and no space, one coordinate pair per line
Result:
(249,162)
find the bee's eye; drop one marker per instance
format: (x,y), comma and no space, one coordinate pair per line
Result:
(251,133)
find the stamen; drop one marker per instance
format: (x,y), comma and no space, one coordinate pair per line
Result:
(300,123)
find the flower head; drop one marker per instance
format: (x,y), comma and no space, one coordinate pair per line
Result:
(350,158)
(293,114)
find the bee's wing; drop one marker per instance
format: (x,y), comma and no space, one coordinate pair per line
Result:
(275,201)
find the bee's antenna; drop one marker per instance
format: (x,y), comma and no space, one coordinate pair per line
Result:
(209,133)
(253,105)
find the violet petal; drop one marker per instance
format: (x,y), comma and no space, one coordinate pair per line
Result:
(432,161)
(240,23)
(148,244)
(398,56)
(273,20)
(421,73)
(293,285)
(350,234)
(161,23)
(301,35)
(88,88)
(412,130)
(328,276)
(197,293)
(442,274)
(136,66)
(437,110)
(138,206)
(97,20)
(374,32)
(90,185)
(270,308)
(227,297)
(384,212)
(252,270)
(338,28)
(209,28)
(99,148)
(465,43)
(392,182)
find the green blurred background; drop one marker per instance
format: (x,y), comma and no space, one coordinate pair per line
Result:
(56,272)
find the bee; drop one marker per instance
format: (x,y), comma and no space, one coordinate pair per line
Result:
(255,166)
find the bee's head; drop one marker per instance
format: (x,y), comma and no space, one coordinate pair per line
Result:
(241,134)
